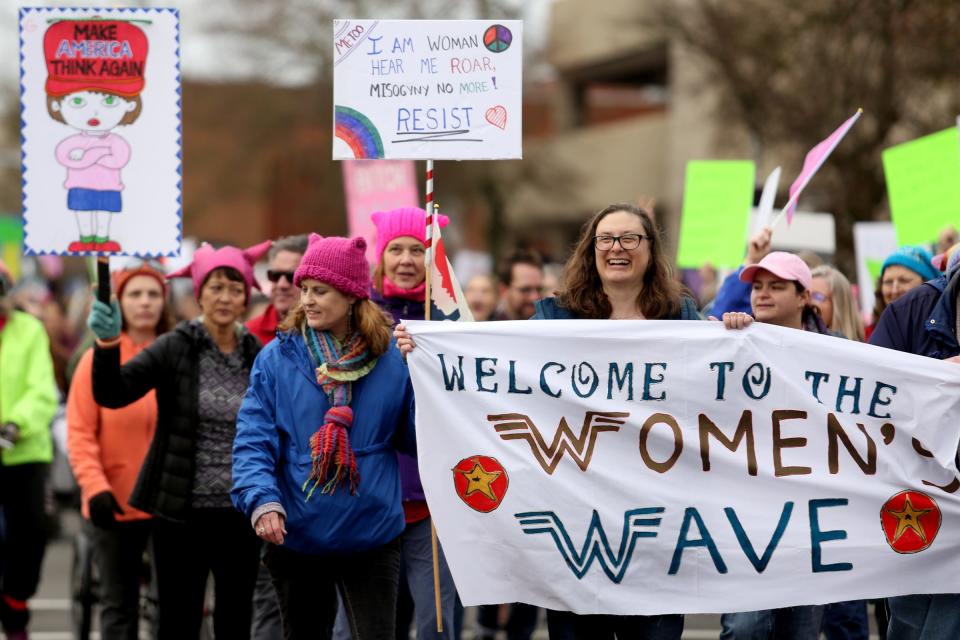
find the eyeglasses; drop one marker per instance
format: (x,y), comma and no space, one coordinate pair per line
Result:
(628,241)
(274,276)
(816,296)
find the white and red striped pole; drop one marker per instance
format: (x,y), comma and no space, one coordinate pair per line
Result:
(428,234)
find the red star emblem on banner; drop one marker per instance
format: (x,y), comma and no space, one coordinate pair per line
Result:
(910,521)
(481,482)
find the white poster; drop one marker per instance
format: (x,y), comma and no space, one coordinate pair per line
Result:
(100,128)
(872,243)
(427,89)
(648,467)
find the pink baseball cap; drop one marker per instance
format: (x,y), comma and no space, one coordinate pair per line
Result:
(784,265)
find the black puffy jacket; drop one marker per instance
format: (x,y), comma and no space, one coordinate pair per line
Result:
(171,366)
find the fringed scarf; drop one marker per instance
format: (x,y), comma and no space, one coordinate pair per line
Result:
(338,366)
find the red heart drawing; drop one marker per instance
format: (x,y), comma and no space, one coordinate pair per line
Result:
(497,116)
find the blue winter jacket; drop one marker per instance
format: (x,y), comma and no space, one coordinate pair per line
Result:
(923,321)
(282,408)
(732,296)
(550,309)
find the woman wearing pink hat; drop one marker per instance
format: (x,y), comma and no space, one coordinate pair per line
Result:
(107,447)
(200,372)
(315,459)
(399,287)
(779,295)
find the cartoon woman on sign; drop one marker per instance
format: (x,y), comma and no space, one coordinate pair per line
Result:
(95,74)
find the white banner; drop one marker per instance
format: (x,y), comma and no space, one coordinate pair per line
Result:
(646,467)
(100,131)
(427,89)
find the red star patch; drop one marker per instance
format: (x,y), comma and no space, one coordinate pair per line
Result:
(910,521)
(481,482)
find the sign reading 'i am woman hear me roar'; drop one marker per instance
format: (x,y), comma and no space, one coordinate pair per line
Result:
(427,89)
(656,467)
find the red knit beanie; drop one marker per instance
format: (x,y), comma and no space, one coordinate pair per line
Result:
(339,262)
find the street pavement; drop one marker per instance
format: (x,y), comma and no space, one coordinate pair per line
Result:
(51,606)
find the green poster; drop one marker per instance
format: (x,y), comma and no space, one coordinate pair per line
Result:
(11,243)
(717,197)
(923,185)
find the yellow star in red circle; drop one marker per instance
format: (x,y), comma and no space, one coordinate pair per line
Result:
(908,518)
(480,480)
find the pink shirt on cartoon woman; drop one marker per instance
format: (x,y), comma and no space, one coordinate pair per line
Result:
(98,167)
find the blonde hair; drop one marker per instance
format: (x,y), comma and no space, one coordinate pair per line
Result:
(370,321)
(846,317)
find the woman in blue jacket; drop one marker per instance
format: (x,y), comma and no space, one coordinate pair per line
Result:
(314,460)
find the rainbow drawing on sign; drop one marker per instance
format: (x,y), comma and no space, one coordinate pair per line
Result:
(358,132)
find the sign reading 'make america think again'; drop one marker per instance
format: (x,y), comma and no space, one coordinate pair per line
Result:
(660,467)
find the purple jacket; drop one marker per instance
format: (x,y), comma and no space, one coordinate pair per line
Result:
(411,489)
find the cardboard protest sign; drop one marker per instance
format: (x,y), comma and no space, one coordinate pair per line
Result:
(653,467)
(100,101)
(427,89)
(923,185)
(376,186)
(717,196)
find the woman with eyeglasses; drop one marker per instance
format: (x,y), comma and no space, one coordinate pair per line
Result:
(832,296)
(107,447)
(618,271)
(200,371)
(399,288)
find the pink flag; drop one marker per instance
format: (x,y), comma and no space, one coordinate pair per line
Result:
(814,160)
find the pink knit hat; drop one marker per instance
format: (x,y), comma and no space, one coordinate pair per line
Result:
(406,221)
(339,262)
(206,259)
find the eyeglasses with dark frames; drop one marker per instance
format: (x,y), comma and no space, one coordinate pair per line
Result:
(628,241)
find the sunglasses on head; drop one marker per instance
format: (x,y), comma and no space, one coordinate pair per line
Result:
(274,276)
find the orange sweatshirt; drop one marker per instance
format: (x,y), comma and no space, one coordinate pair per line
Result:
(106,447)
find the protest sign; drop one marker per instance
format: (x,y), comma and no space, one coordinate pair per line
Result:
(100,101)
(923,185)
(653,467)
(872,243)
(11,243)
(717,196)
(376,186)
(427,89)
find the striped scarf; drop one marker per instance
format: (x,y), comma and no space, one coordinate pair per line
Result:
(339,365)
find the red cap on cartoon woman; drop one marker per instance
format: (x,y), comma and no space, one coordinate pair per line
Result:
(95,74)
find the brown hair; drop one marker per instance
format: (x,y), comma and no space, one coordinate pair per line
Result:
(370,321)
(520,256)
(128,118)
(582,291)
(879,304)
(164,324)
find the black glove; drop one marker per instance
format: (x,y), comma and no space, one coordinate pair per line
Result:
(9,435)
(102,507)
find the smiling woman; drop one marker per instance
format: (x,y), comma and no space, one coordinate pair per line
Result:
(618,270)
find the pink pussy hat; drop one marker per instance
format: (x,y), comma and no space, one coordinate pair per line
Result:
(406,221)
(786,266)
(338,262)
(206,259)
